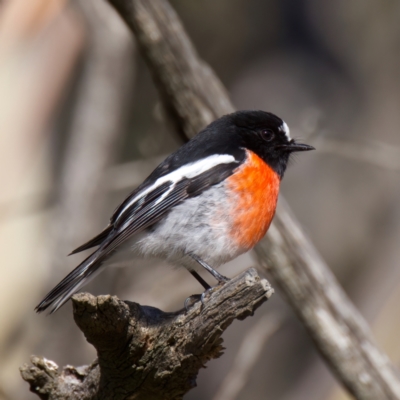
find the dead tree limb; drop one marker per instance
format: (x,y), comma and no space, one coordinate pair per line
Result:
(143,352)
(195,96)
(339,331)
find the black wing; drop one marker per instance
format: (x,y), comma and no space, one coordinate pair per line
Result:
(154,206)
(136,215)
(195,186)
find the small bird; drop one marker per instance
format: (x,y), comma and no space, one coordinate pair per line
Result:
(204,205)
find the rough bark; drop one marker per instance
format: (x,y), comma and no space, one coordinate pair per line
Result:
(337,328)
(143,352)
(194,95)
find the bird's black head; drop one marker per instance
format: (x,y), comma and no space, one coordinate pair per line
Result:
(266,135)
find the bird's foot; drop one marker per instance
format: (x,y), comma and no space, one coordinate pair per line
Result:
(222,280)
(194,298)
(208,292)
(191,301)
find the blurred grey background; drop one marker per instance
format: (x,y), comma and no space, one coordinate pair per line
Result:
(81,126)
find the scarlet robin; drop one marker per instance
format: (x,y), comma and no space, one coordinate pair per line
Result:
(207,203)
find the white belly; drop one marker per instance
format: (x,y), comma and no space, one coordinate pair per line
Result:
(199,226)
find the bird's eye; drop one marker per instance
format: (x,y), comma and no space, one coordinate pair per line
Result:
(267,134)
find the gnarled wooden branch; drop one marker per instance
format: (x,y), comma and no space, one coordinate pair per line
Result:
(143,352)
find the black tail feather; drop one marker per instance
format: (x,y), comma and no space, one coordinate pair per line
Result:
(96,241)
(61,293)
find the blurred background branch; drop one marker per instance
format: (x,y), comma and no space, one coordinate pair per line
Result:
(249,352)
(376,153)
(38,53)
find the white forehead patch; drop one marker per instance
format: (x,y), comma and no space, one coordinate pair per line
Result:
(285,129)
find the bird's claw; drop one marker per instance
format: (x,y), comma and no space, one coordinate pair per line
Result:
(191,300)
(222,280)
(205,294)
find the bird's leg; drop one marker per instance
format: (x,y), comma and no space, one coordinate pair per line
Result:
(195,297)
(200,280)
(220,278)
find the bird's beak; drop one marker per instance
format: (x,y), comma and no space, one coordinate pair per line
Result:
(293,146)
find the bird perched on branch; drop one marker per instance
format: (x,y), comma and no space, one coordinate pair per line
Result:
(204,205)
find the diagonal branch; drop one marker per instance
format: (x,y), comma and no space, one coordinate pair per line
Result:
(194,96)
(143,352)
(191,92)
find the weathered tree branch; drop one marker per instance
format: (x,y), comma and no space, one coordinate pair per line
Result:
(250,350)
(192,94)
(143,352)
(195,96)
(337,328)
